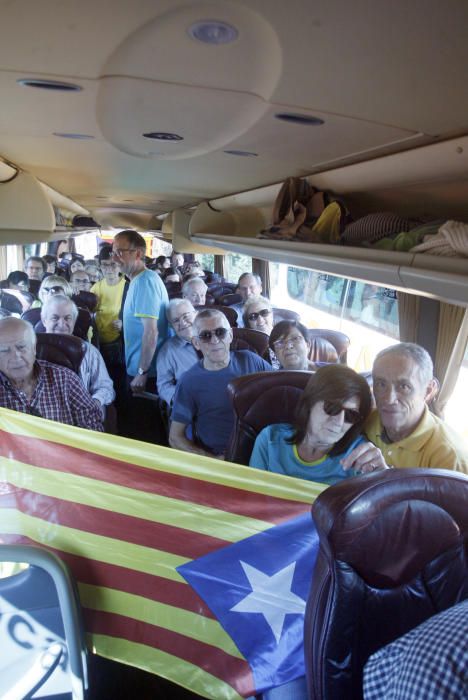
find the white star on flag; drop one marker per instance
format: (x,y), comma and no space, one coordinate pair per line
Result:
(271,596)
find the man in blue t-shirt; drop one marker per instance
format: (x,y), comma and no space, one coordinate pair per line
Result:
(201,401)
(145,328)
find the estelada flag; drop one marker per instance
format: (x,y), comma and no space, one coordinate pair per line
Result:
(136,523)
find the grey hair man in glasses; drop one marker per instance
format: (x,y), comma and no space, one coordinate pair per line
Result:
(202,415)
(177,354)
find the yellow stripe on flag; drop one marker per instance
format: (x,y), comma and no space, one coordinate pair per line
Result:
(85,544)
(183,622)
(189,676)
(133,502)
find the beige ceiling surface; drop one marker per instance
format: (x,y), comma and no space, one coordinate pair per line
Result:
(383,76)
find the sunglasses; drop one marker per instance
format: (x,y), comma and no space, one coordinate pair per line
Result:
(220,333)
(55,290)
(334,408)
(255,314)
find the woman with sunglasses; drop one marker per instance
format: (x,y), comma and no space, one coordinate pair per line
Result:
(327,427)
(257,313)
(53,284)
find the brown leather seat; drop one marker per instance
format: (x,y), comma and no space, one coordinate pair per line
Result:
(259,400)
(82,325)
(86,300)
(393,552)
(339,340)
(229,299)
(230,314)
(65,350)
(321,350)
(255,340)
(285,315)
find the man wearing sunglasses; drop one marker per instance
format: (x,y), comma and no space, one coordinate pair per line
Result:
(201,404)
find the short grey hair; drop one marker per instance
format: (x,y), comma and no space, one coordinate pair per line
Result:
(210,313)
(415,352)
(189,283)
(256,277)
(255,300)
(58,299)
(174,304)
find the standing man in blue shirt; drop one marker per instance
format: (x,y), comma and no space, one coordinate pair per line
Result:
(145,329)
(201,403)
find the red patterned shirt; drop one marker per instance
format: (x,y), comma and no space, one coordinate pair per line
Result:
(59,395)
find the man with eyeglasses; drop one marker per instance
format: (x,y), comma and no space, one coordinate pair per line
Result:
(145,329)
(38,387)
(80,281)
(201,402)
(177,355)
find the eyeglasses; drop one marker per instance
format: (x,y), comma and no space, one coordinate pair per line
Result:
(82,280)
(109,266)
(118,252)
(185,318)
(54,290)
(220,333)
(293,340)
(255,314)
(334,408)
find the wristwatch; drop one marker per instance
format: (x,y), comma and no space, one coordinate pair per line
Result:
(141,371)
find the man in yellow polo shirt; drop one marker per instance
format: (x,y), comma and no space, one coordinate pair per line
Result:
(110,294)
(402,427)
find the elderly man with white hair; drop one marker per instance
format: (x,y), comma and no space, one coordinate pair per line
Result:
(58,315)
(38,387)
(201,402)
(177,354)
(195,291)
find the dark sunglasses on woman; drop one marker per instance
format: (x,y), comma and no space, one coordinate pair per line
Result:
(333,408)
(255,314)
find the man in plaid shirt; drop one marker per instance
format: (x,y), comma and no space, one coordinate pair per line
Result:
(39,387)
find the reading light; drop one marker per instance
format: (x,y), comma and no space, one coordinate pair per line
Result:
(213,31)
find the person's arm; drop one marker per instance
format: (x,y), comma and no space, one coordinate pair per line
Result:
(96,378)
(148,348)
(365,458)
(165,376)
(259,457)
(179,441)
(84,410)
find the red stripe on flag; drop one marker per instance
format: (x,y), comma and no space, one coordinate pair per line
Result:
(107,523)
(97,573)
(236,672)
(63,458)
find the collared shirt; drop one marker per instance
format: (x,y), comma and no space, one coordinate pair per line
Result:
(428,663)
(433,444)
(95,377)
(175,357)
(59,395)
(146,298)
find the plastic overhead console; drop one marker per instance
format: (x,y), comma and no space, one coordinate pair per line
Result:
(26,213)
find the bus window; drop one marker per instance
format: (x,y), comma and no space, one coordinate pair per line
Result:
(235,265)
(367,313)
(206,260)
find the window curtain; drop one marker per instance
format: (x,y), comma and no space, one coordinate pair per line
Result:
(408,317)
(452,339)
(219,266)
(261,268)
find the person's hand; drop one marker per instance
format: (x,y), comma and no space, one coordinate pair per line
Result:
(117,324)
(138,384)
(365,458)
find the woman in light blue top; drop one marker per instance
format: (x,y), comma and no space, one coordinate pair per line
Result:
(327,426)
